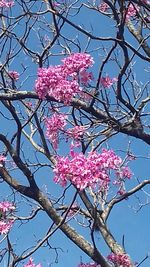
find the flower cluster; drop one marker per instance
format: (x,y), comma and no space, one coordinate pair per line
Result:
(107,82)
(14,75)
(6,208)
(54,124)
(124,172)
(103,7)
(90,171)
(2,160)
(131,11)
(76,132)
(121,259)
(62,81)
(31,264)
(76,63)
(7,4)
(85,77)
(89,265)
(5,226)
(53,82)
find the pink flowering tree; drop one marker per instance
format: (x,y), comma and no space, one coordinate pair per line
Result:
(74,133)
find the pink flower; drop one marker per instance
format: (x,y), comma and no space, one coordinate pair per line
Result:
(126,172)
(121,192)
(6,206)
(2,160)
(132,11)
(31,264)
(7,4)
(66,90)
(103,7)
(76,133)
(29,104)
(62,81)
(77,62)
(107,82)
(87,171)
(121,259)
(54,125)
(89,265)
(5,226)
(53,82)
(85,77)
(14,75)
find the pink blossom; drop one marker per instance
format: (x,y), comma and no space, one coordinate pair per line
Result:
(121,192)
(14,75)
(89,265)
(62,81)
(7,4)
(87,171)
(48,79)
(125,172)
(107,82)
(29,104)
(121,259)
(5,226)
(53,82)
(103,7)
(2,160)
(6,206)
(54,125)
(132,11)
(31,264)
(85,77)
(66,90)
(76,133)
(77,62)
(131,157)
